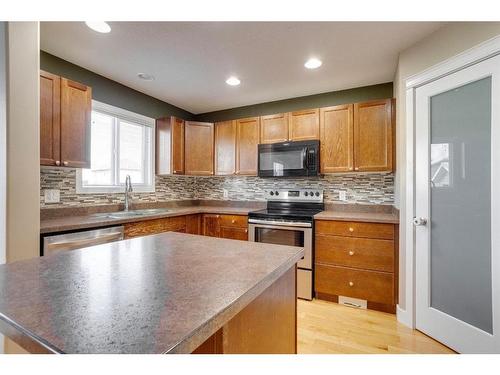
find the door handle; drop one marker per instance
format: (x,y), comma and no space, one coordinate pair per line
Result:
(419,221)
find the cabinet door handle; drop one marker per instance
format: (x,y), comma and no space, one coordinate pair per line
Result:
(58,162)
(351,253)
(65,163)
(351,283)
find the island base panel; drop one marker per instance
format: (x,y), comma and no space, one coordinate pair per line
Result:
(268,325)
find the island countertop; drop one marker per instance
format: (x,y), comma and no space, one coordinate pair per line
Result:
(165,293)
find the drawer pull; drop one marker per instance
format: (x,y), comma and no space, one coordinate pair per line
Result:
(351,229)
(351,253)
(351,283)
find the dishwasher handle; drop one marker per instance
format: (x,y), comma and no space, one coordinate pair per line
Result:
(78,240)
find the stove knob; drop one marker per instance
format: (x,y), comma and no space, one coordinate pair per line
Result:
(272,193)
(306,193)
(317,193)
(311,193)
(277,193)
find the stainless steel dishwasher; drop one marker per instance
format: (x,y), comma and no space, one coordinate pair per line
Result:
(77,240)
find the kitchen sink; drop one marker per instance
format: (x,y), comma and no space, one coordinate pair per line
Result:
(132,213)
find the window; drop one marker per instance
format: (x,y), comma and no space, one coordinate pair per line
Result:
(121,144)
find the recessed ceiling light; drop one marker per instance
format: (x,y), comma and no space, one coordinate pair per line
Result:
(313,63)
(99,26)
(145,76)
(233,81)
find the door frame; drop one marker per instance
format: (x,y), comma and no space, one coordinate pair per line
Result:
(474,55)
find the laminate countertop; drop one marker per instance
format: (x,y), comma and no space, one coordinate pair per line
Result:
(165,293)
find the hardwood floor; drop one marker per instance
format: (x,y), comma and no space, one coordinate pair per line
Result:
(330,328)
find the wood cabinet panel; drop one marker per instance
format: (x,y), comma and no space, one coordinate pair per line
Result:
(233,233)
(355,229)
(366,253)
(193,224)
(169,146)
(76,107)
(234,221)
(336,136)
(304,125)
(368,285)
(199,148)
(274,128)
(248,135)
(211,225)
(268,324)
(50,119)
(225,148)
(373,136)
(155,226)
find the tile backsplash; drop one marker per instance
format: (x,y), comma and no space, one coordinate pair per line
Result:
(369,188)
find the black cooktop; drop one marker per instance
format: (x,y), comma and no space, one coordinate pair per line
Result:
(288,211)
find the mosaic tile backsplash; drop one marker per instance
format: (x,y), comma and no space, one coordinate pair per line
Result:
(371,188)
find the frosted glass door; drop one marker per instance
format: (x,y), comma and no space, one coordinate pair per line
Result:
(457,131)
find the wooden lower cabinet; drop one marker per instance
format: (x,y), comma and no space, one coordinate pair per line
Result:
(268,325)
(155,226)
(358,260)
(234,227)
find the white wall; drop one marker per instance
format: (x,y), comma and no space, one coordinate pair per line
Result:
(444,43)
(23,155)
(3,161)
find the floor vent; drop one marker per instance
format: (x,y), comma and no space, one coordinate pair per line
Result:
(353,302)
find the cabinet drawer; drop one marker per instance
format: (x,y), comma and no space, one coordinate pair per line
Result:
(355,252)
(236,221)
(355,229)
(155,226)
(234,233)
(368,285)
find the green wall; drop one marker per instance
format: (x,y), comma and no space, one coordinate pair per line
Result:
(360,94)
(110,92)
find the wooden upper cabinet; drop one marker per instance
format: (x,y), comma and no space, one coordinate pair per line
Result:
(373,136)
(76,107)
(50,119)
(169,146)
(304,125)
(247,140)
(225,147)
(336,138)
(274,128)
(199,148)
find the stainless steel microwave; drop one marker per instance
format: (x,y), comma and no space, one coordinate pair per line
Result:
(289,159)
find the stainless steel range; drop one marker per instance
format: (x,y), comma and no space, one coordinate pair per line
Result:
(289,220)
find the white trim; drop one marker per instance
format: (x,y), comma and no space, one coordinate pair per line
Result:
(127,116)
(123,113)
(480,52)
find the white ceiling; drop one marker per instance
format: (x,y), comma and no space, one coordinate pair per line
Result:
(191,60)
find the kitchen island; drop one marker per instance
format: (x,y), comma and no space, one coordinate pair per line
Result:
(165,293)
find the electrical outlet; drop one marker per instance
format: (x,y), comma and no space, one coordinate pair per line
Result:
(342,195)
(225,193)
(52,196)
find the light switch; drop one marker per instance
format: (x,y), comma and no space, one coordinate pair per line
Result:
(52,196)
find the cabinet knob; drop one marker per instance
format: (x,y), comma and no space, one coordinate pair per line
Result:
(233,221)
(351,283)
(176,171)
(356,169)
(351,253)
(351,229)
(246,230)
(350,168)
(58,162)
(65,163)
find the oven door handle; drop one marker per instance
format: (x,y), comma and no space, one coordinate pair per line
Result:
(280,223)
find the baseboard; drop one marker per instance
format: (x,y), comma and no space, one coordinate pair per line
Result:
(404,317)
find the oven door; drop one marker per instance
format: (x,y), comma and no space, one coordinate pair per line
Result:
(284,235)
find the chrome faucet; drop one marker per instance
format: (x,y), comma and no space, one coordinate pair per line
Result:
(128,189)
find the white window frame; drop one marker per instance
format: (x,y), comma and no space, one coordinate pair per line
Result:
(134,118)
